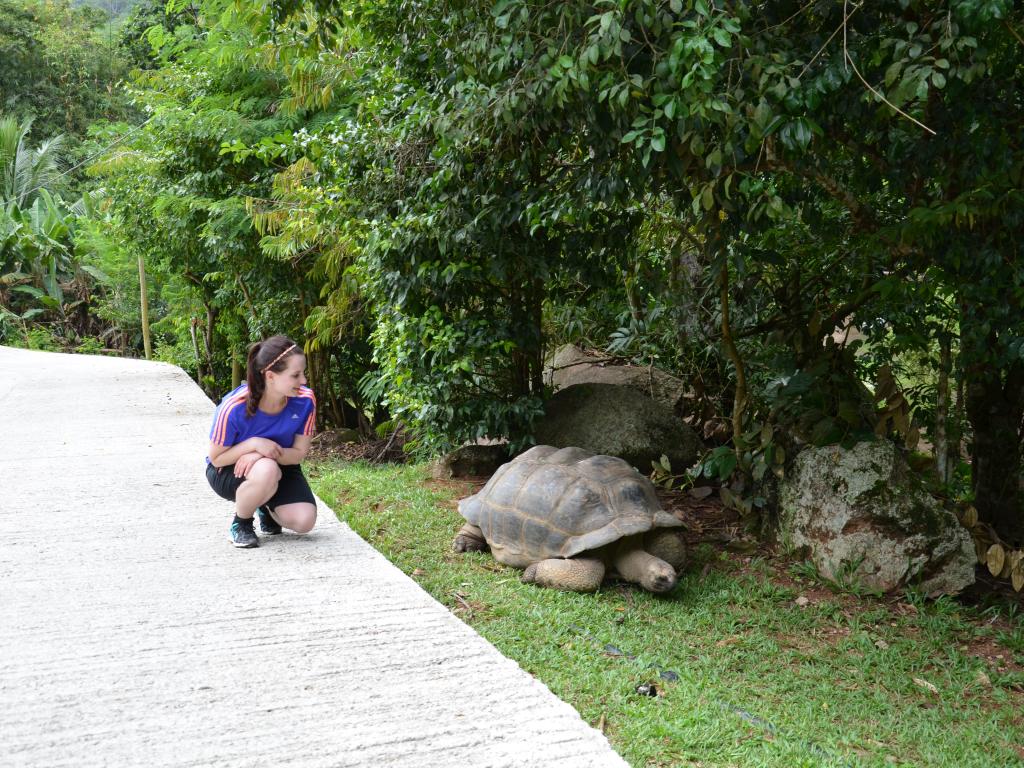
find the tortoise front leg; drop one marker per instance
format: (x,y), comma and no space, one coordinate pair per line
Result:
(470,539)
(573,575)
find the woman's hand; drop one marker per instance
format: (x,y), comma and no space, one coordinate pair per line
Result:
(244,464)
(298,451)
(266,447)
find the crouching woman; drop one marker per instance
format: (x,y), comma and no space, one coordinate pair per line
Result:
(261,433)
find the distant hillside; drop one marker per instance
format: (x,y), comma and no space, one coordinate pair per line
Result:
(117,9)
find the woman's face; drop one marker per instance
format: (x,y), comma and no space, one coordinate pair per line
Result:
(286,383)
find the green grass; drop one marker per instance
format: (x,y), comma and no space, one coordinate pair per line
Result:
(761,680)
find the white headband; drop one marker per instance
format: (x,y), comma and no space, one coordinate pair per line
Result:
(274,361)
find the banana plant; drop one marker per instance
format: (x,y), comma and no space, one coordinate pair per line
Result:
(35,248)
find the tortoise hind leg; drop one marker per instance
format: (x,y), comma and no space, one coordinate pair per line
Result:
(573,575)
(470,539)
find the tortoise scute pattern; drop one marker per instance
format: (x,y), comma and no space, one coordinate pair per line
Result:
(557,503)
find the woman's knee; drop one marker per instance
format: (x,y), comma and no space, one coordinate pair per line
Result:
(298,517)
(305,522)
(265,472)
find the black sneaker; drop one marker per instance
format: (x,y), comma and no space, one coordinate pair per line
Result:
(268,524)
(242,534)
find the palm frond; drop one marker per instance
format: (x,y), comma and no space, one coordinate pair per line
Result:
(26,171)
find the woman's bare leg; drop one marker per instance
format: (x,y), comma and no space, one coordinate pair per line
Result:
(299,517)
(260,484)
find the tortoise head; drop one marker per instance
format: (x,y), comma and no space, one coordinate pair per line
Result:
(658,576)
(469,508)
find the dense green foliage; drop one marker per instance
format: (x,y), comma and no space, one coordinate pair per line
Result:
(435,194)
(819,165)
(60,66)
(59,75)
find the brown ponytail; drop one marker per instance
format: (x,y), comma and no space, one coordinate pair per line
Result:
(269,355)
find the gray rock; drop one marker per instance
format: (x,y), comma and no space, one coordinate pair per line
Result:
(863,515)
(470,461)
(571,365)
(618,421)
(346,435)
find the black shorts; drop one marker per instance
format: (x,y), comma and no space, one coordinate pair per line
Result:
(291,489)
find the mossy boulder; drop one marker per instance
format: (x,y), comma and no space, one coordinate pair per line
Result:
(346,435)
(617,420)
(470,461)
(862,515)
(570,365)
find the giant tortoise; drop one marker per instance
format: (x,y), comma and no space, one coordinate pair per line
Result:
(566,515)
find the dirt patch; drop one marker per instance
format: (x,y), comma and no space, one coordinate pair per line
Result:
(812,591)
(998,658)
(802,643)
(988,589)
(707,520)
(465,608)
(332,444)
(459,488)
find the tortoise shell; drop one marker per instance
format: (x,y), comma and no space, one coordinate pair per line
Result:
(550,502)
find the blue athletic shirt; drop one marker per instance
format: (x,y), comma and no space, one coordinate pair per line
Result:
(231,426)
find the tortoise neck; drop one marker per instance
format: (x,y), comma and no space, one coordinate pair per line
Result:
(639,566)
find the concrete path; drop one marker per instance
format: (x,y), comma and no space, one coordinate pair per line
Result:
(133,634)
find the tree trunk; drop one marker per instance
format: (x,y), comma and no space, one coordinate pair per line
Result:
(195,348)
(739,403)
(995,407)
(337,413)
(957,443)
(248,301)
(537,363)
(144,307)
(211,320)
(940,441)
(629,287)
(526,302)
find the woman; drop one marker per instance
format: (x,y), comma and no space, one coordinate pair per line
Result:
(261,432)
